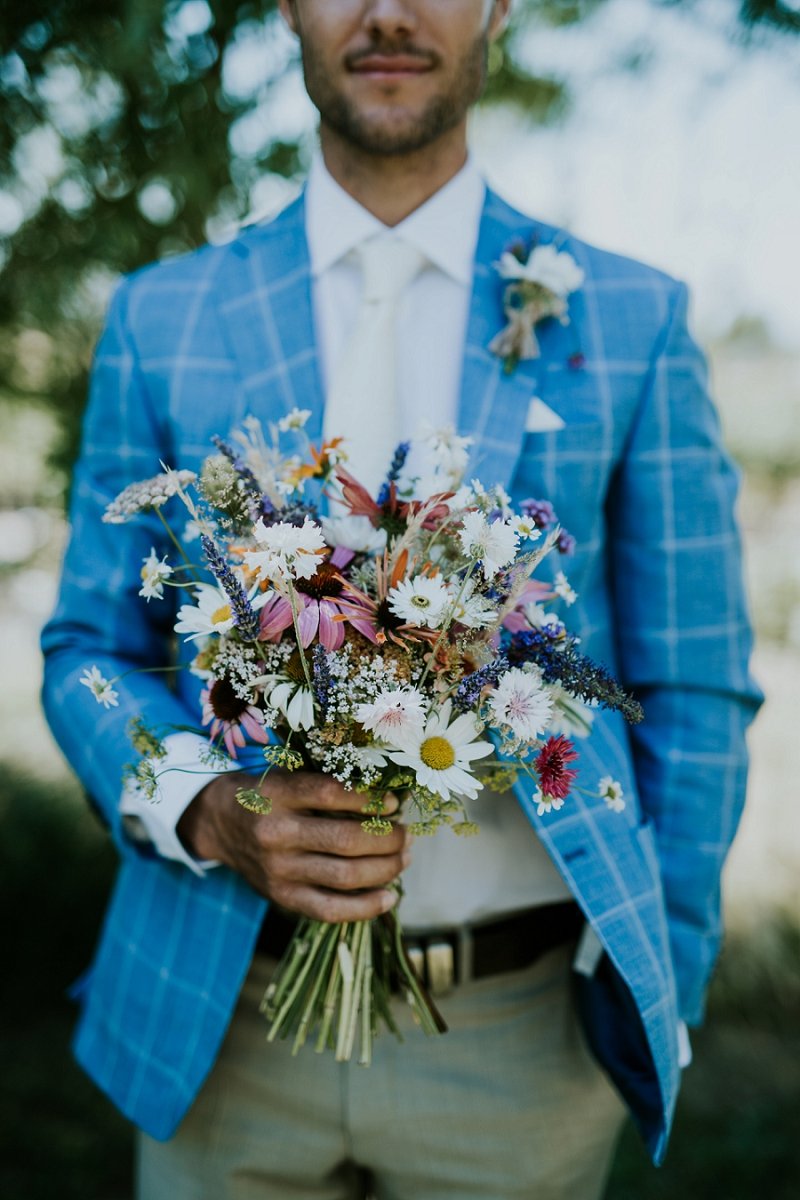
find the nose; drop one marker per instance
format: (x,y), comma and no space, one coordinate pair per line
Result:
(388,18)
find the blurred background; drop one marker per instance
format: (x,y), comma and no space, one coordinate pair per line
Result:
(135,129)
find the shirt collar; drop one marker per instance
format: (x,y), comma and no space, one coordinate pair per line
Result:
(444,229)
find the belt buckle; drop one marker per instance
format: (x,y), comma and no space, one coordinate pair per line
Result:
(443,963)
(440,967)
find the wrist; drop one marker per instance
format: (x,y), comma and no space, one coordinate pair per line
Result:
(201,828)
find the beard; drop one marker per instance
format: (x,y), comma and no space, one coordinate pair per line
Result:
(390,134)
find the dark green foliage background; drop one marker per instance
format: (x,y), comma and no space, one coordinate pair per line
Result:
(169,119)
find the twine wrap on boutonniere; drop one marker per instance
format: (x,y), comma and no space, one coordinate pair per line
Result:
(539,280)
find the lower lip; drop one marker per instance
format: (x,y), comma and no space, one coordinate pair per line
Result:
(383,74)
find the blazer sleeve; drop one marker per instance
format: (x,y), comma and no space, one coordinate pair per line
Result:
(100,618)
(684,640)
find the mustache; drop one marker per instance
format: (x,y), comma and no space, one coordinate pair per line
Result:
(389,47)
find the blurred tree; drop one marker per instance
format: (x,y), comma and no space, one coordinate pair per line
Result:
(133,129)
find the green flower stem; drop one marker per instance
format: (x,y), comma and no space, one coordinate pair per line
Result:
(300,980)
(346,956)
(287,971)
(350,1017)
(367,1019)
(448,622)
(329,1008)
(296,624)
(309,1011)
(430,1018)
(178,546)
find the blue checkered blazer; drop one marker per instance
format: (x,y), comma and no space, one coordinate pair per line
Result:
(190,348)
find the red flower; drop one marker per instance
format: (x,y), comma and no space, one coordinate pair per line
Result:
(394,514)
(555,777)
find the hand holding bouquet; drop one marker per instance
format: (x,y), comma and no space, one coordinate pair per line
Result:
(397,644)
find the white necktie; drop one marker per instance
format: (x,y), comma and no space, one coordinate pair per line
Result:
(362,398)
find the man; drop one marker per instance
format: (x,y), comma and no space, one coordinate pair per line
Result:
(624,442)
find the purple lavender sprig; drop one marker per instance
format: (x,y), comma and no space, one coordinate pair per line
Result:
(468,691)
(560,662)
(322,680)
(245,618)
(397,464)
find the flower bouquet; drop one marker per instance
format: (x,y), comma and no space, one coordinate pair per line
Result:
(397,643)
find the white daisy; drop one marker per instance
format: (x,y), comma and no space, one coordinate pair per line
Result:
(423,600)
(522,702)
(525,527)
(448,451)
(295,701)
(546,804)
(493,543)
(295,420)
(561,587)
(290,551)
(154,572)
(100,687)
(611,791)
(441,753)
(211,614)
(392,712)
(474,610)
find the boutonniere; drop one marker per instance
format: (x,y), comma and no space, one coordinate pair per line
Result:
(539,281)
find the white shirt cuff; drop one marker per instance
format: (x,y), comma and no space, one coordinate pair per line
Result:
(684,1046)
(181,776)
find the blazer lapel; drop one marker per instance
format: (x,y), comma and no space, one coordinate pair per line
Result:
(264,305)
(494,404)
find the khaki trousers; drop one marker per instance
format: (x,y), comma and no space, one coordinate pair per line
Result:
(508,1103)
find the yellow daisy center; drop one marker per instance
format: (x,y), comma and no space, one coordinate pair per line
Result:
(223,613)
(437,753)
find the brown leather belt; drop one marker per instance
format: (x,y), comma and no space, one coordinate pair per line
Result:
(457,955)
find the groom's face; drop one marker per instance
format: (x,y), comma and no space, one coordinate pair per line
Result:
(391,76)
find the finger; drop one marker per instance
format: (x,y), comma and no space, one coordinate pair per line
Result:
(335,907)
(324,835)
(320,793)
(346,874)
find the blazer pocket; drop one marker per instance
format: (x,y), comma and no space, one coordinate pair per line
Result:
(576,438)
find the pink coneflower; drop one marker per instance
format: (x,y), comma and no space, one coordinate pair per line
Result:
(319,607)
(231,716)
(555,777)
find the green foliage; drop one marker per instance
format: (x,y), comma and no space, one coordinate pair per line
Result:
(132,131)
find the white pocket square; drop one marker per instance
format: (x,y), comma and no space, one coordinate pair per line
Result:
(541,419)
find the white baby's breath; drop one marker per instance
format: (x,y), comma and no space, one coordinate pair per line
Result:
(146,494)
